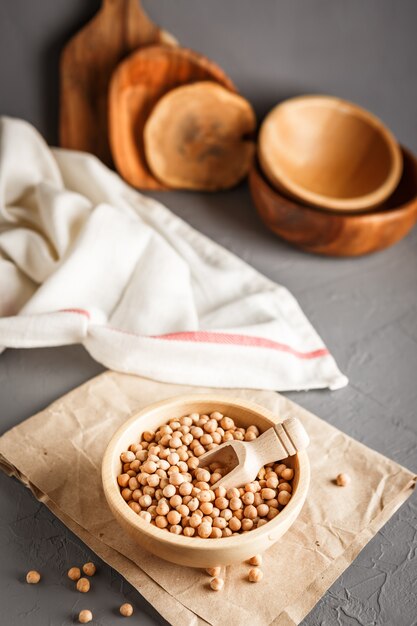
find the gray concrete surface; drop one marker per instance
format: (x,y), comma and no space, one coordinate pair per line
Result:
(365,309)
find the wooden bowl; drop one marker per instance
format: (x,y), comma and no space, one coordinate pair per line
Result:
(329,153)
(136,86)
(192,551)
(339,234)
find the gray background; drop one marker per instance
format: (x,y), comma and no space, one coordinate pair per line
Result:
(365,309)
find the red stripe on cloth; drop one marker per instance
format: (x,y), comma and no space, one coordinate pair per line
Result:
(79,311)
(241,340)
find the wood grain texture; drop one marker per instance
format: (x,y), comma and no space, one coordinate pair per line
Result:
(244,459)
(336,233)
(200,136)
(194,551)
(136,86)
(87,62)
(329,153)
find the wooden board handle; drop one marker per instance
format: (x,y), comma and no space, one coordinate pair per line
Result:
(292,435)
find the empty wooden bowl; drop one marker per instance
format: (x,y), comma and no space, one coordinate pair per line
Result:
(194,551)
(136,86)
(329,153)
(339,234)
(199,137)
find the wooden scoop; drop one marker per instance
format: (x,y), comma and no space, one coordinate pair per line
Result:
(244,459)
(87,63)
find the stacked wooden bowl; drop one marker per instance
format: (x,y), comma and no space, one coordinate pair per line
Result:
(165,116)
(331,178)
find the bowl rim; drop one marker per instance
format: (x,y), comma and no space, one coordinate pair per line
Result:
(357,204)
(257,172)
(112,491)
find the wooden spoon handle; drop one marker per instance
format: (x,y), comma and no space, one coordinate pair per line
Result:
(292,437)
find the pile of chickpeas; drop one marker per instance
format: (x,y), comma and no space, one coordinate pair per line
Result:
(162,482)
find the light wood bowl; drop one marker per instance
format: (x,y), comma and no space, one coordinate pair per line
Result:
(136,86)
(192,551)
(338,234)
(329,153)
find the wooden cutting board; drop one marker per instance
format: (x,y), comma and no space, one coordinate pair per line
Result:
(87,62)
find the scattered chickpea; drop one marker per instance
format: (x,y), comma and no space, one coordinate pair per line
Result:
(74,573)
(214,571)
(217,584)
(342,480)
(255,575)
(256,560)
(126,610)
(33,577)
(89,569)
(85,616)
(83,585)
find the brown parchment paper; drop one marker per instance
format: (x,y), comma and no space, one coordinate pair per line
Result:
(58,452)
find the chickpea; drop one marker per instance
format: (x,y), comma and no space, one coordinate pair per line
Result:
(123,480)
(83,585)
(255,575)
(288,473)
(263,510)
(248,498)
(204,530)
(227,423)
(216,533)
(272,482)
(188,531)
(169,491)
(163,507)
(342,480)
(284,497)
(185,489)
(226,514)
(177,479)
(221,503)
(74,573)
(256,560)
(33,577)
(206,508)
(175,501)
(161,521)
(235,524)
(145,501)
(267,493)
(183,510)
(127,457)
(202,475)
(85,616)
(217,584)
(247,524)
(235,503)
(219,522)
(174,517)
(126,610)
(250,512)
(210,426)
(173,458)
(285,487)
(89,569)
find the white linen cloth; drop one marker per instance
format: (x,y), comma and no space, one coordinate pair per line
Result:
(86,259)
